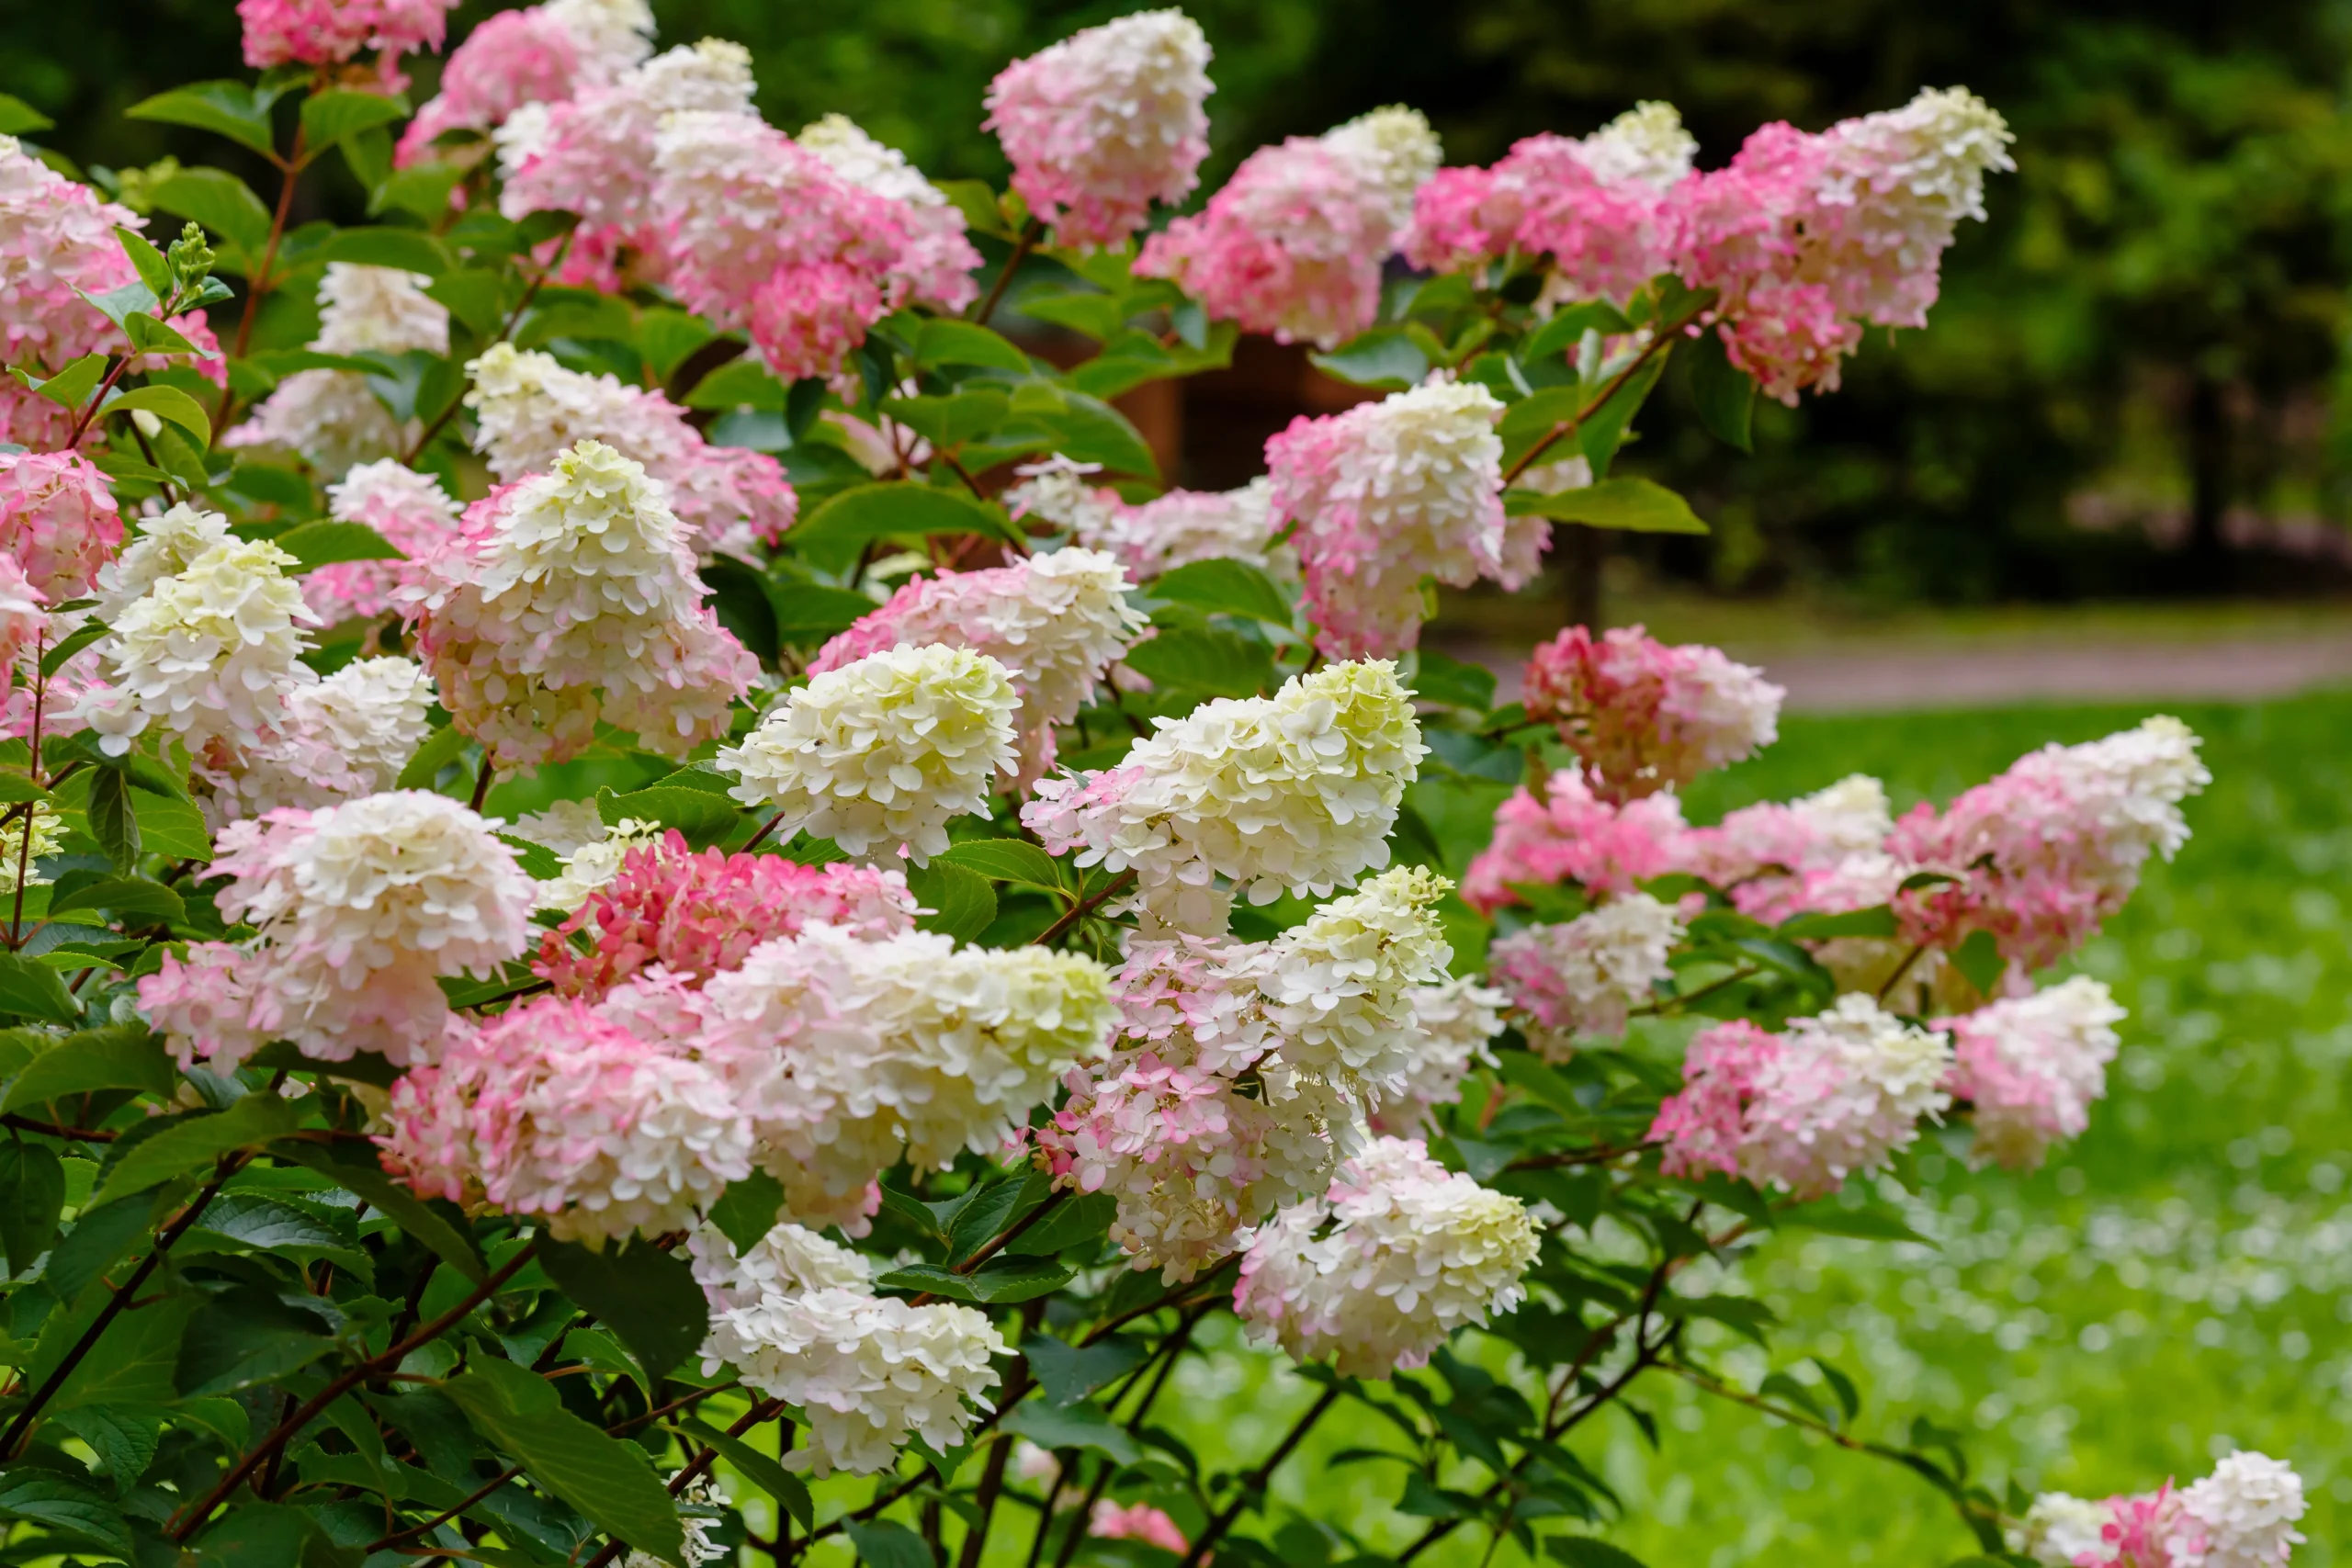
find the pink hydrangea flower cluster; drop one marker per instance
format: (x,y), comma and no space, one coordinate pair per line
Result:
(763,236)
(569,600)
(1583,977)
(1136,1521)
(1598,210)
(58,520)
(697,914)
(1390,492)
(23,622)
(528,409)
(1102,124)
(936,263)
(412,512)
(541,54)
(1294,244)
(1769,857)
(554,1108)
(2044,853)
(1573,834)
(1647,715)
(328,32)
(1801,1111)
(1811,237)
(2241,1516)
(363,908)
(2031,1066)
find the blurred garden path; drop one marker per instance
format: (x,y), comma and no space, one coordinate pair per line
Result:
(2226,656)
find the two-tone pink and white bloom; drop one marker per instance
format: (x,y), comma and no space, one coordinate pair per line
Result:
(1647,715)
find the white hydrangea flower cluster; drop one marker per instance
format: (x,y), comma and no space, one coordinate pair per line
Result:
(936,260)
(1579,977)
(2031,1066)
(2060,1529)
(1293,793)
(1157,536)
(571,598)
(1907,177)
(2241,1516)
(210,638)
(333,418)
(336,738)
(1848,1089)
(878,754)
(1394,149)
(851,1054)
(1249,1070)
(796,1320)
(47,831)
(1647,142)
(1455,1018)
(1414,1251)
(1056,489)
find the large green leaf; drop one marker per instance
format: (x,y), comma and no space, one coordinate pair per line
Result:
(1584,1552)
(133,898)
(403,1207)
(32,1194)
(883,1544)
(29,989)
(17,118)
(1225,587)
(949,422)
(197,1140)
(244,1337)
(999,1283)
(339,112)
(1566,328)
(112,820)
(608,1481)
(1630,505)
(1726,394)
(855,517)
(748,1209)
(789,1491)
(227,108)
(409,250)
(702,817)
(961,903)
(1069,1372)
(945,341)
(50,1498)
(1216,662)
(121,1056)
(220,201)
(1384,357)
(643,1294)
(1008,860)
(314,544)
(1064,1426)
(169,405)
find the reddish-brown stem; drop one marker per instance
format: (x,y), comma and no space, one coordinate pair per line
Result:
(259,283)
(1030,233)
(1255,1485)
(1080,911)
(1661,338)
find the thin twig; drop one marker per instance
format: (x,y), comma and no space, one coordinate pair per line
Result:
(1918,948)
(1080,911)
(1661,337)
(54,1130)
(765,829)
(482,783)
(1254,1485)
(1030,233)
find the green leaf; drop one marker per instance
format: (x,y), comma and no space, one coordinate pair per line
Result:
(57,657)
(887,1545)
(121,1055)
(1876,920)
(1453,683)
(740,383)
(221,202)
(1584,1552)
(244,1337)
(944,342)
(314,544)
(1088,430)
(112,821)
(29,989)
(665,336)
(441,748)
(1075,1223)
(1219,663)
(196,1140)
(169,405)
(1979,958)
(977,203)
(149,336)
(129,897)
(961,902)
(1099,316)
(1007,860)
(135,1362)
(646,1296)
(1630,505)
(395,1202)
(606,1480)
(70,387)
(789,1491)
(747,1210)
(1384,357)
(847,523)
(329,117)
(32,1194)
(1069,1374)
(250,1221)
(18,116)
(738,594)
(1067,1425)
(702,817)
(1867,1223)
(948,423)
(226,108)
(173,829)
(1225,587)
(1001,1282)
(808,612)
(50,1498)
(1726,394)
(409,250)
(1566,328)
(538,862)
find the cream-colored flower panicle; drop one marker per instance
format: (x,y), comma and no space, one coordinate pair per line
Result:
(880,754)
(568,600)
(1293,793)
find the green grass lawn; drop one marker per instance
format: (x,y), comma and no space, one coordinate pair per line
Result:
(2177,1283)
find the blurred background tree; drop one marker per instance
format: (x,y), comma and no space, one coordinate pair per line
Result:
(2132,384)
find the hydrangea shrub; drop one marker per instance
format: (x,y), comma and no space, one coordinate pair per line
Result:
(661,905)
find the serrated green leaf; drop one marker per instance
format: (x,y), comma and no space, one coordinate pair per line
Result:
(948,423)
(403,1207)
(789,1491)
(338,112)
(113,821)
(740,383)
(197,1140)
(1452,683)
(747,1210)
(441,748)
(1218,663)
(702,817)
(169,405)
(31,989)
(1627,505)
(606,1480)
(129,897)
(121,1055)
(1225,587)
(646,1296)
(50,1498)
(1076,1221)
(1008,860)
(1867,1223)
(1069,1374)
(247,1336)
(221,202)
(1069,1426)
(999,1283)
(226,108)
(32,1194)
